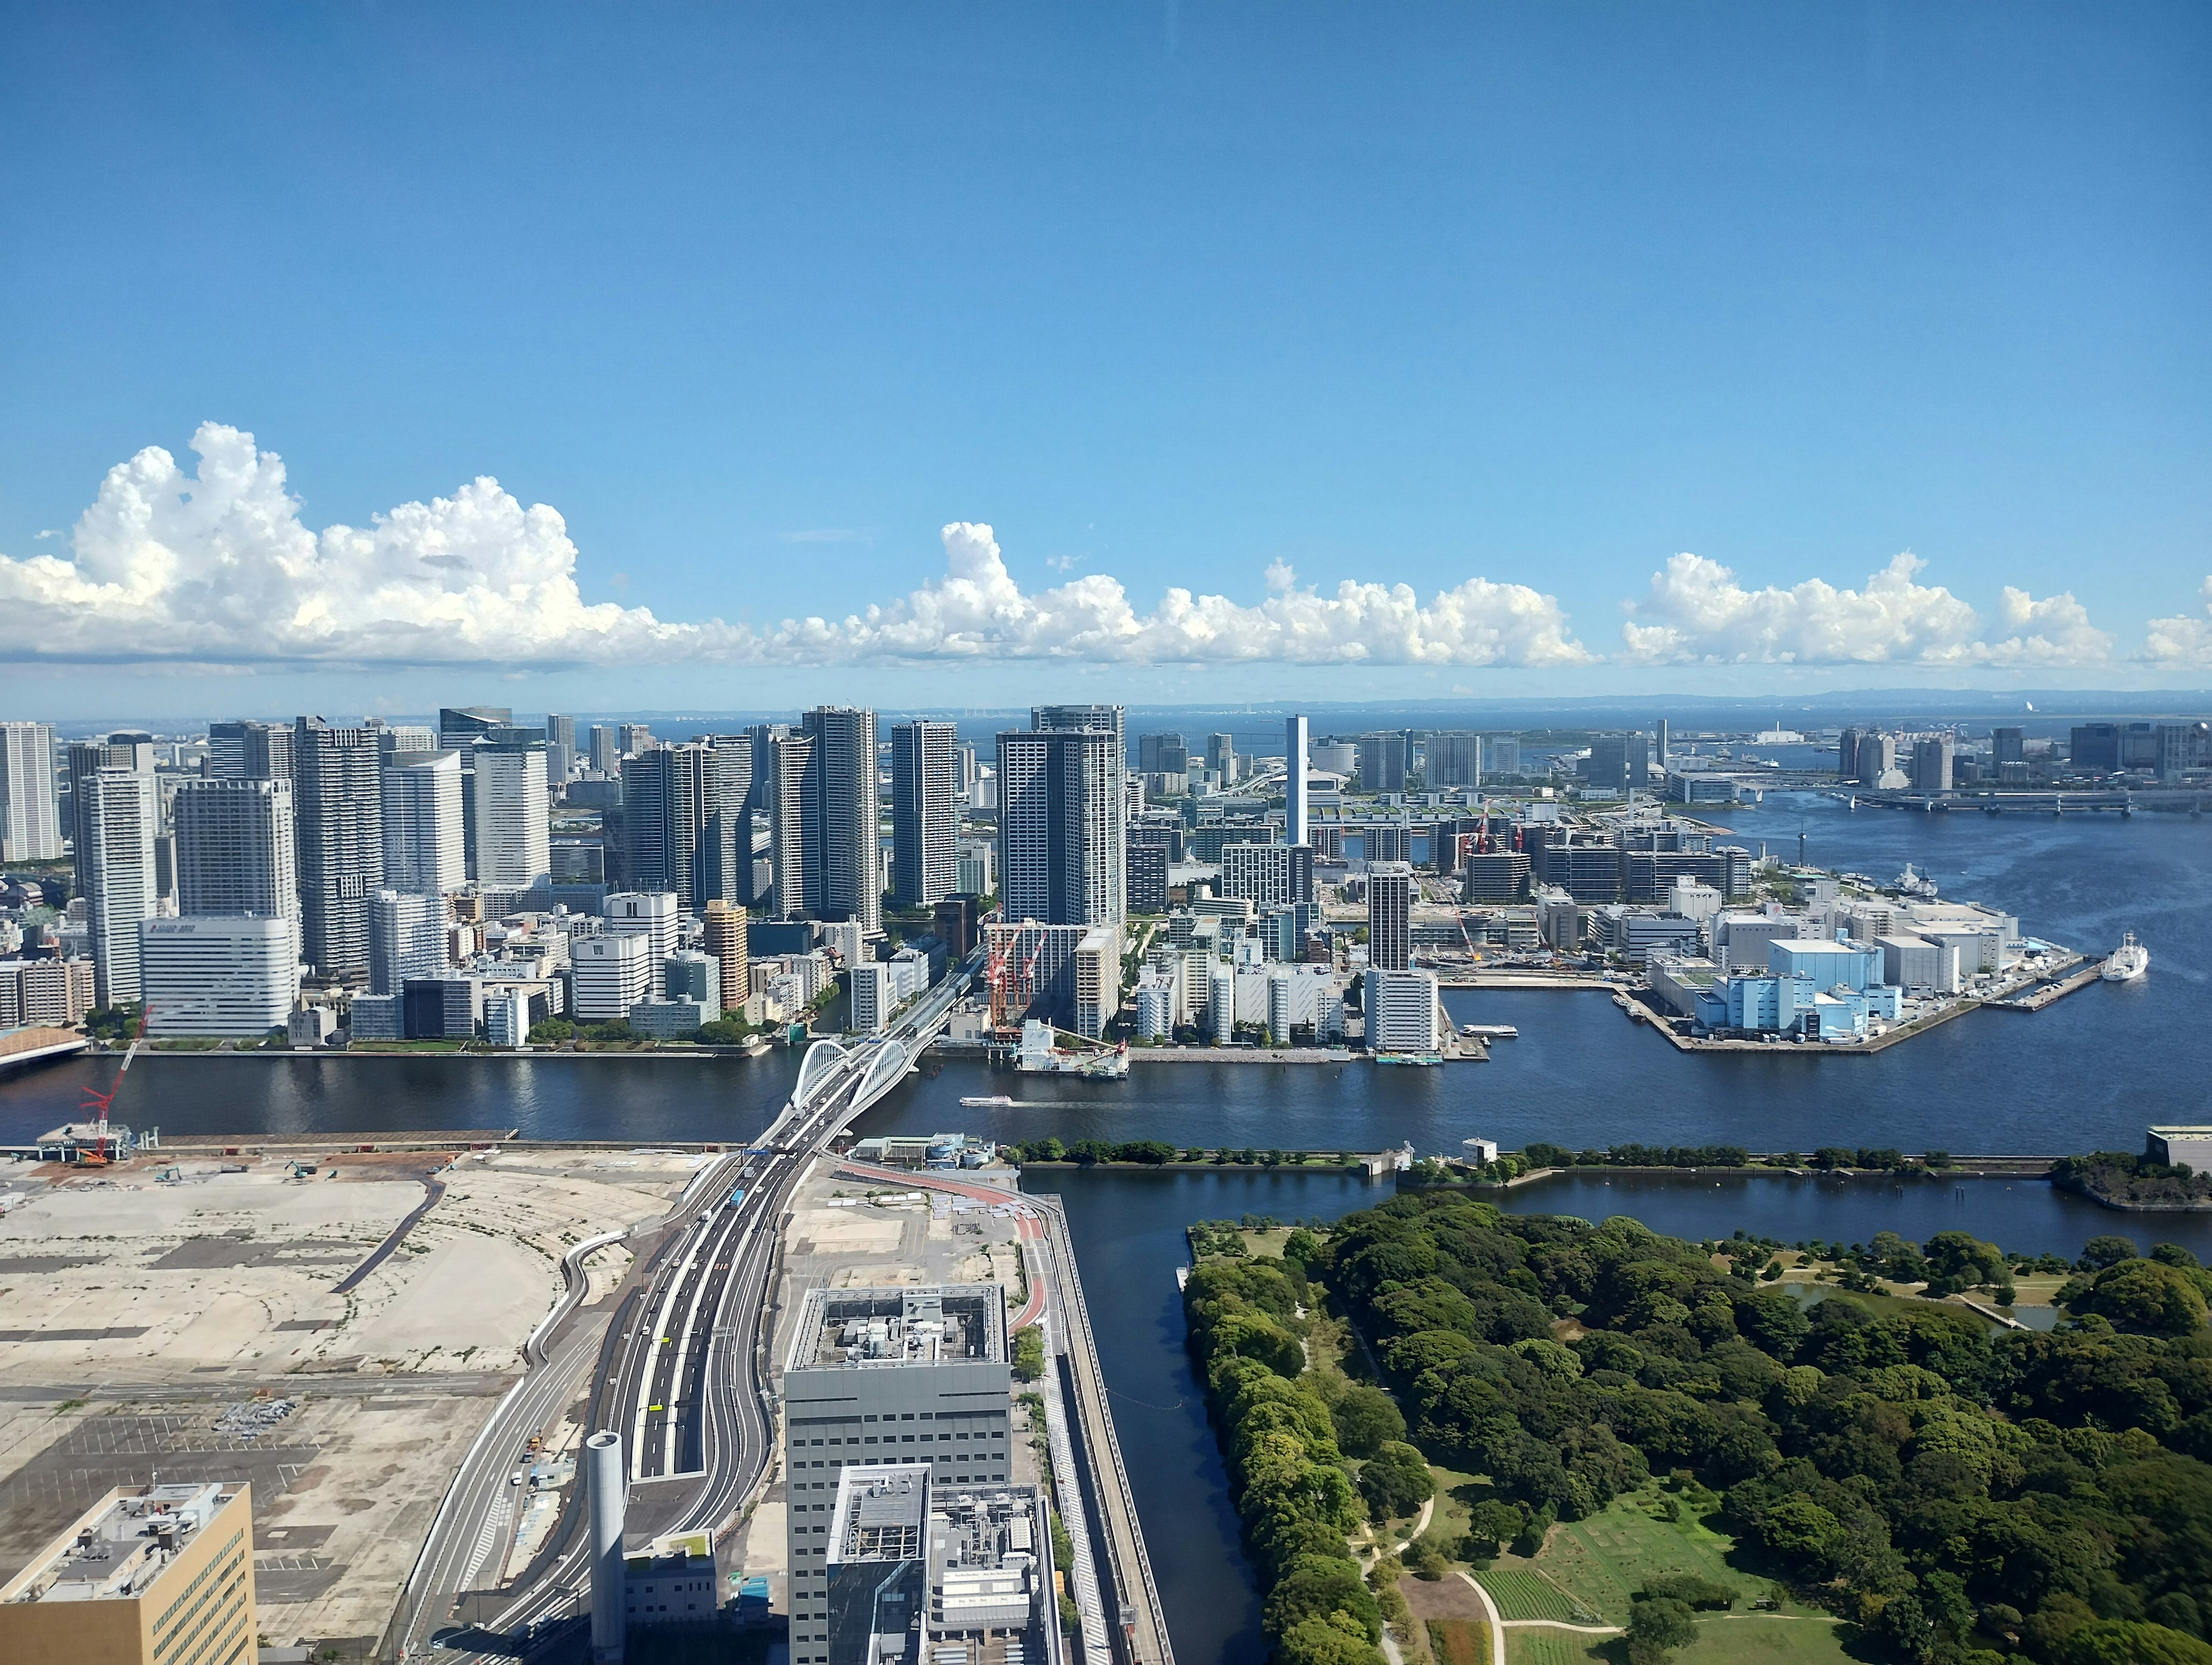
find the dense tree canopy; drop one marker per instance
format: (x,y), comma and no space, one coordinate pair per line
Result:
(1959,1492)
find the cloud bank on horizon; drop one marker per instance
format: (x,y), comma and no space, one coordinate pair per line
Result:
(217,567)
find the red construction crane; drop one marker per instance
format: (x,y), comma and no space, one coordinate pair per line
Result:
(102,1102)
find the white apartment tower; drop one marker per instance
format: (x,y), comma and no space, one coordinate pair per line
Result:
(406,939)
(29,828)
(424,846)
(118,815)
(513,827)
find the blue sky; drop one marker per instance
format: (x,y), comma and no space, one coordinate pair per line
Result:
(1511,304)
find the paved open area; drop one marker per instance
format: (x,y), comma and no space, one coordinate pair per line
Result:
(184,1314)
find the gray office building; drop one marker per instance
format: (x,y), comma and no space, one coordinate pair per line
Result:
(925,813)
(1382,763)
(338,793)
(915,1376)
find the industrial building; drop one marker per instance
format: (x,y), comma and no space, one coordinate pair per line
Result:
(162,1574)
(916,1377)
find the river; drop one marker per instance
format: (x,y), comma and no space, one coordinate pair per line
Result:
(2090,1072)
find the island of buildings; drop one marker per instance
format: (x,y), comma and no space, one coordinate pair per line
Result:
(482,882)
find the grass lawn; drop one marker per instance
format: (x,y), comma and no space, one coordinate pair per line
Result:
(1522,1594)
(1535,1645)
(1763,1638)
(1602,1561)
(1454,1490)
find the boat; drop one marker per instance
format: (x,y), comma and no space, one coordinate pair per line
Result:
(2129,962)
(1419,1060)
(1912,884)
(996,1100)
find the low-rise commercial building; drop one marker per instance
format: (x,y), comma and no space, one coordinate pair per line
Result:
(152,1575)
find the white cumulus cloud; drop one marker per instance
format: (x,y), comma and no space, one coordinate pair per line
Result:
(2187,639)
(1697,613)
(977,610)
(217,567)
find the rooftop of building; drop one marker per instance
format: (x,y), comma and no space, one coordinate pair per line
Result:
(119,1548)
(883,1513)
(920,1324)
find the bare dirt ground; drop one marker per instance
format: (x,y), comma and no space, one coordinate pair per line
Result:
(137,1310)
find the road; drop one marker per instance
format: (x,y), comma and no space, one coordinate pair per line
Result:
(680,1368)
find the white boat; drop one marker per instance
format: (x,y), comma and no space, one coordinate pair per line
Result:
(1912,884)
(2129,962)
(997,1101)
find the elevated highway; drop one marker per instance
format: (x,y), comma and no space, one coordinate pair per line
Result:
(679,1365)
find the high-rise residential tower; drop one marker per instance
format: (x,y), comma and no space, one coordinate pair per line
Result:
(1060,833)
(925,813)
(423,842)
(842,830)
(512,815)
(1294,812)
(782,792)
(1390,915)
(338,791)
(235,849)
(117,812)
(30,827)
(679,831)
(560,751)
(607,749)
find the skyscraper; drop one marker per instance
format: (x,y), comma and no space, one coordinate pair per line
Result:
(560,750)
(424,843)
(1221,757)
(235,849)
(607,749)
(339,796)
(1294,812)
(782,791)
(1389,916)
(841,825)
(678,832)
(1619,762)
(512,815)
(85,759)
(1101,719)
(1061,856)
(30,829)
(1454,759)
(1666,740)
(925,813)
(1382,761)
(1162,754)
(460,727)
(117,813)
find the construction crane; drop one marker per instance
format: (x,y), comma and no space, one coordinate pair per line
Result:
(102,1102)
